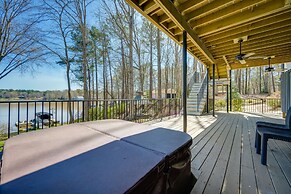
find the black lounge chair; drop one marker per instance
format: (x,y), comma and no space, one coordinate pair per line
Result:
(267,130)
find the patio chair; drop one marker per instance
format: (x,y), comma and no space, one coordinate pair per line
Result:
(267,130)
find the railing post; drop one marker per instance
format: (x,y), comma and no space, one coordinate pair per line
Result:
(49,111)
(207,94)
(83,109)
(197,103)
(227,98)
(213,88)
(262,106)
(26,116)
(9,109)
(18,115)
(184,81)
(230,92)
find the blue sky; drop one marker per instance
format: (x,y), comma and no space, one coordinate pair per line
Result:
(43,78)
(46,77)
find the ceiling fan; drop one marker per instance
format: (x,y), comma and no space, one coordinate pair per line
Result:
(269,68)
(241,56)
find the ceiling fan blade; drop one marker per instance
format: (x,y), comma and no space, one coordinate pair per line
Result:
(242,61)
(249,54)
(257,57)
(280,70)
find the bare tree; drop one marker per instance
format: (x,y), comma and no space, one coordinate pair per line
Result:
(121,17)
(78,12)
(18,32)
(55,12)
(159,64)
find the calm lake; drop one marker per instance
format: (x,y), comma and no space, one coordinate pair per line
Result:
(26,111)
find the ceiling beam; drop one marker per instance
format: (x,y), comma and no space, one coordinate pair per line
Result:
(189,5)
(253,42)
(204,10)
(268,8)
(269,29)
(263,45)
(180,21)
(141,2)
(149,6)
(223,13)
(252,25)
(226,62)
(266,53)
(262,62)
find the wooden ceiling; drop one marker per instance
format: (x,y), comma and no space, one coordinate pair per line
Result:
(212,26)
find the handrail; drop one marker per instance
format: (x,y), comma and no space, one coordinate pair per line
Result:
(194,79)
(201,91)
(28,115)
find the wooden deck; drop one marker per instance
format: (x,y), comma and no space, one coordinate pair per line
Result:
(224,158)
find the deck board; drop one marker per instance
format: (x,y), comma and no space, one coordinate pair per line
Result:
(248,181)
(215,182)
(263,179)
(231,182)
(224,158)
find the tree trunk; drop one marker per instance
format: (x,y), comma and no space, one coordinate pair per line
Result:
(246,81)
(159,64)
(177,72)
(151,62)
(273,81)
(122,71)
(96,72)
(167,81)
(111,78)
(260,81)
(131,28)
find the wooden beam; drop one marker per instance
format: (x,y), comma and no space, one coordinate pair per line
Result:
(223,13)
(163,18)
(204,10)
(226,62)
(268,8)
(250,26)
(149,6)
(180,21)
(273,52)
(253,48)
(261,62)
(171,25)
(262,31)
(189,4)
(141,2)
(252,42)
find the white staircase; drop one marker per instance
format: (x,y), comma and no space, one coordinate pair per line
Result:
(197,98)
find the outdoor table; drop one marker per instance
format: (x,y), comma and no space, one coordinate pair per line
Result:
(89,157)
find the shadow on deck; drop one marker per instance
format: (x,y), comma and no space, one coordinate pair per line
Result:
(224,158)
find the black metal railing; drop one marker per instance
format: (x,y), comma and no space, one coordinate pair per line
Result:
(266,105)
(201,91)
(22,116)
(253,105)
(195,78)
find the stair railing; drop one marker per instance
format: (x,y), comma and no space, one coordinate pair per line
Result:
(201,91)
(194,79)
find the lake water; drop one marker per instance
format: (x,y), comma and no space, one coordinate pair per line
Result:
(24,111)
